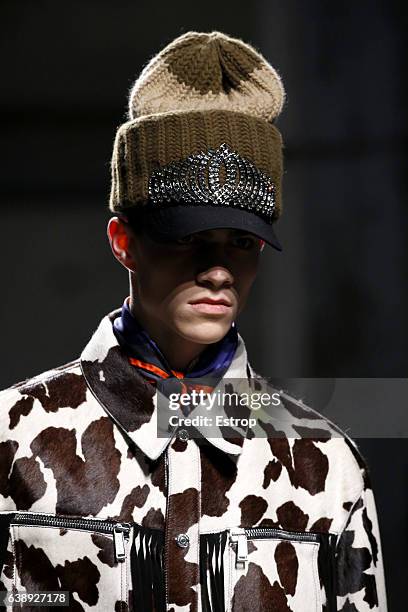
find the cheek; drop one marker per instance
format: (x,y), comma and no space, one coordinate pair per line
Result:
(245,273)
(160,281)
(245,277)
(149,284)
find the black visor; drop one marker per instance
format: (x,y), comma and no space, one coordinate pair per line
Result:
(177,221)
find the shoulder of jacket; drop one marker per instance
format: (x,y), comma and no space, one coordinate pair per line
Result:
(46,387)
(350,445)
(316,421)
(43,377)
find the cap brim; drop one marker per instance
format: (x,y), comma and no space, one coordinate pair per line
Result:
(177,221)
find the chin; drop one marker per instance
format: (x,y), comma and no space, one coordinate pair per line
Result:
(205,332)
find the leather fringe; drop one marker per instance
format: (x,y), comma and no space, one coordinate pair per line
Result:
(147,568)
(212,547)
(146,558)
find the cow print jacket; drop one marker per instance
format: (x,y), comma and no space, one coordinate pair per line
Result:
(93,502)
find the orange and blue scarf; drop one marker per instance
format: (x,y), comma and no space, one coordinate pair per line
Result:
(145,355)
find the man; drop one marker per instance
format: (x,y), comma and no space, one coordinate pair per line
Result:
(105,501)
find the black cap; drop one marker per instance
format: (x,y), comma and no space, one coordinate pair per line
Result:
(176,221)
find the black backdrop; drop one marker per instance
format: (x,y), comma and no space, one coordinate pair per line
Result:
(331,305)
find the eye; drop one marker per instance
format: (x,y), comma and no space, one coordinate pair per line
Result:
(186,240)
(245,242)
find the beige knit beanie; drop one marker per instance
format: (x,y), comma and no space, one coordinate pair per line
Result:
(201,92)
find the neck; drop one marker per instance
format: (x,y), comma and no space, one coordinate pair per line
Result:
(178,351)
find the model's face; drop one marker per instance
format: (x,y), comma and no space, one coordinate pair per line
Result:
(196,286)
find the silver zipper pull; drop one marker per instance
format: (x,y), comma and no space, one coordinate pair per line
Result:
(120,531)
(238,535)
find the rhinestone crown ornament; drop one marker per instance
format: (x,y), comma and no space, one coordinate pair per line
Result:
(197,180)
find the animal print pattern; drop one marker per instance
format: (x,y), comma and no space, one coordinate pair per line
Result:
(80,442)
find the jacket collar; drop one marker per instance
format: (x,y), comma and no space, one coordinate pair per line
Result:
(131,401)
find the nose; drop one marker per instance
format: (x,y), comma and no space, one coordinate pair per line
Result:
(213,264)
(215,277)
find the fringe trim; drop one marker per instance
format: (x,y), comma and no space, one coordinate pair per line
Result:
(212,547)
(147,569)
(146,558)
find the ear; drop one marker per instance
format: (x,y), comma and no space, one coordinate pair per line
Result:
(121,239)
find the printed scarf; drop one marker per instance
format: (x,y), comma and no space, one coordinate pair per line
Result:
(145,355)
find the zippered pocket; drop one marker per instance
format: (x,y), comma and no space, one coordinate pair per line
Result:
(272,569)
(119,531)
(241,537)
(86,556)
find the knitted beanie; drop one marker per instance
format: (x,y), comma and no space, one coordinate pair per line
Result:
(204,105)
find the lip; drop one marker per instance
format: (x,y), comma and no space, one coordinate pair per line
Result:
(208,305)
(207,300)
(211,307)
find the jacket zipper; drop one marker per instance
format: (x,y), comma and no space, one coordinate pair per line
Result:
(166,485)
(240,537)
(119,531)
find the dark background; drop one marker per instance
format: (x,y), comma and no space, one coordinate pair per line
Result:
(331,305)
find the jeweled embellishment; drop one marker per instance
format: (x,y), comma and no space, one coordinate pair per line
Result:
(198,179)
